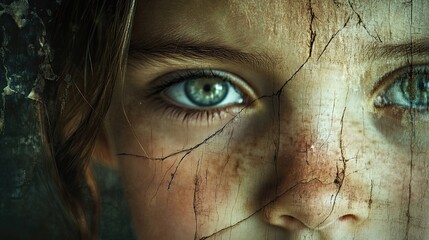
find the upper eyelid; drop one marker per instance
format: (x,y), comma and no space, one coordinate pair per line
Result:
(166,80)
(385,79)
(390,76)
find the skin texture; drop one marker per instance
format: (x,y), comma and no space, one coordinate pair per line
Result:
(309,156)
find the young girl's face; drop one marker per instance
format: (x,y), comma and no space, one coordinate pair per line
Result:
(276,120)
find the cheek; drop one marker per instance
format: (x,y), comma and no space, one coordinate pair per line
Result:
(156,197)
(216,184)
(394,176)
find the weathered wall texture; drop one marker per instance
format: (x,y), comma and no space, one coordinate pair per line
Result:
(27,205)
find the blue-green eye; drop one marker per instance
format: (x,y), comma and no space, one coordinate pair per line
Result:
(409,89)
(205,89)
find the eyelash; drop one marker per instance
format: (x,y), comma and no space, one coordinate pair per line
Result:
(188,114)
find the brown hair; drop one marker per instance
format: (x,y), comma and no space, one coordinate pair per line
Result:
(90,42)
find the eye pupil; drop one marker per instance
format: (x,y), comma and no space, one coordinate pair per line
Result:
(206,92)
(207,88)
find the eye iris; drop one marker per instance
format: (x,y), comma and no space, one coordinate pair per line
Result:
(206,91)
(415,88)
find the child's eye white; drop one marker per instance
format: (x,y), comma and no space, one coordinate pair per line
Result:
(205,89)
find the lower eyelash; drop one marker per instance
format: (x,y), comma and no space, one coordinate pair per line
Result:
(186,115)
(193,115)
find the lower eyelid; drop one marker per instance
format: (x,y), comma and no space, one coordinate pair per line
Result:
(404,116)
(202,118)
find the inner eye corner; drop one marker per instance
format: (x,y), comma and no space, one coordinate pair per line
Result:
(378,100)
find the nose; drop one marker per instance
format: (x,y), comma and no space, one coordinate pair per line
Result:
(316,187)
(316,205)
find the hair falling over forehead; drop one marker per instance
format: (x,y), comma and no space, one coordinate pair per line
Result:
(91,38)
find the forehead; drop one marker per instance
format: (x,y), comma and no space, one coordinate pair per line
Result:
(275,20)
(351,35)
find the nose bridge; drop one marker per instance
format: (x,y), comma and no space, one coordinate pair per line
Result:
(311,136)
(312,189)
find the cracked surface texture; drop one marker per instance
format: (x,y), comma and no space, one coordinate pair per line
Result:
(325,140)
(308,154)
(28,209)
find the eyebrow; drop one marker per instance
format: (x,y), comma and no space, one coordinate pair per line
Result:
(419,47)
(196,50)
(178,48)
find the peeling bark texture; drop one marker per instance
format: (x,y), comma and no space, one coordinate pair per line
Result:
(28,206)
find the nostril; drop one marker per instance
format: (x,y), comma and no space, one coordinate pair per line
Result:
(349,218)
(310,207)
